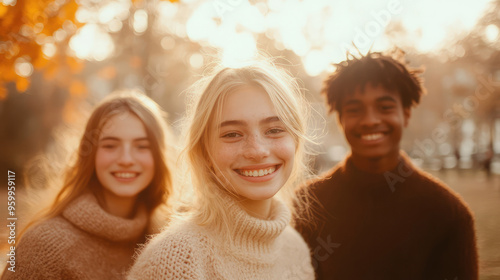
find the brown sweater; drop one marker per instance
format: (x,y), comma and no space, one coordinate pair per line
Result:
(85,242)
(403,224)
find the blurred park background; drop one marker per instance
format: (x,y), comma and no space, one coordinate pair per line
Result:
(59,57)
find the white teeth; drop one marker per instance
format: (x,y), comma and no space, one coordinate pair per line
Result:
(257,173)
(371,137)
(125,175)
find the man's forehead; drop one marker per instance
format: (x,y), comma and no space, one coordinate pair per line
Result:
(371,92)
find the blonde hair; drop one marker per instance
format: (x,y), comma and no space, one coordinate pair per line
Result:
(206,108)
(80,177)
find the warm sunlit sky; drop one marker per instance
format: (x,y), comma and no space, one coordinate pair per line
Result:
(319,31)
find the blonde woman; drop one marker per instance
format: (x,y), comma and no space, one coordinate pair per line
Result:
(103,209)
(245,144)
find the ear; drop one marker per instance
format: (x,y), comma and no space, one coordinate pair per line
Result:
(338,117)
(407,115)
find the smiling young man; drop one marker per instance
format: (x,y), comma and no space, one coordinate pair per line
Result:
(375,215)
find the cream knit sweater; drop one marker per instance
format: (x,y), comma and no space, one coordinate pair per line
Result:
(85,242)
(260,249)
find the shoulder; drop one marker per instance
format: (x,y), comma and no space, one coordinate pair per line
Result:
(441,195)
(432,186)
(42,249)
(294,242)
(54,234)
(297,254)
(179,252)
(328,177)
(324,184)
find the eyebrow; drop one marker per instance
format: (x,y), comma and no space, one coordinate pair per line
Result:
(118,139)
(386,98)
(238,122)
(380,99)
(352,102)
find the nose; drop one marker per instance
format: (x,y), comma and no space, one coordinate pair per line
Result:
(370,117)
(256,148)
(126,158)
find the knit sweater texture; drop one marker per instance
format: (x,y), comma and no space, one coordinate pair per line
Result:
(85,242)
(259,249)
(403,224)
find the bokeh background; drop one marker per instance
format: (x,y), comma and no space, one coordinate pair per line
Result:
(59,57)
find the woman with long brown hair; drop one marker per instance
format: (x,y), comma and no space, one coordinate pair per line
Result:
(120,176)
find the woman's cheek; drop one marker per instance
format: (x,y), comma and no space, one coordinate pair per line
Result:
(285,148)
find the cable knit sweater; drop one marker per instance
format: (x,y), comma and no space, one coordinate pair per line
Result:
(85,242)
(260,249)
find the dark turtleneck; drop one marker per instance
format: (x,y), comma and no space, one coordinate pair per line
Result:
(400,224)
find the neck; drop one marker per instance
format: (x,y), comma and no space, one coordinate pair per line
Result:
(118,206)
(376,165)
(257,208)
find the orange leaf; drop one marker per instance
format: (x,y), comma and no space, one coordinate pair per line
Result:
(8,72)
(22,84)
(3,10)
(69,10)
(40,62)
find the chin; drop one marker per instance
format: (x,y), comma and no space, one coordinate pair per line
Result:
(130,194)
(261,195)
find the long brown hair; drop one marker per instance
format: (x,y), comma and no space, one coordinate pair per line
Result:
(80,177)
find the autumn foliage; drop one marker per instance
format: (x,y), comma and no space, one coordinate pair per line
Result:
(25,29)
(34,35)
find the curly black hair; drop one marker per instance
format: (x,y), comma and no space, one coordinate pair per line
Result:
(376,69)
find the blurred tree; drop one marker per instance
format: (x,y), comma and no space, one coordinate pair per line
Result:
(34,35)
(481,50)
(30,30)
(37,57)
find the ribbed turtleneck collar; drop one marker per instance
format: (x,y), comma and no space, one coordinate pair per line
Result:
(86,213)
(254,236)
(383,180)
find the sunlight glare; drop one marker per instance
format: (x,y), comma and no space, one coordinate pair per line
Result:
(241,49)
(315,62)
(23,67)
(114,10)
(140,23)
(49,49)
(201,25)
(491,33)
(92,43)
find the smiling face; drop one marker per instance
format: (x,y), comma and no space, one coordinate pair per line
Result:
(252,150)
(124,161)
(373,122)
